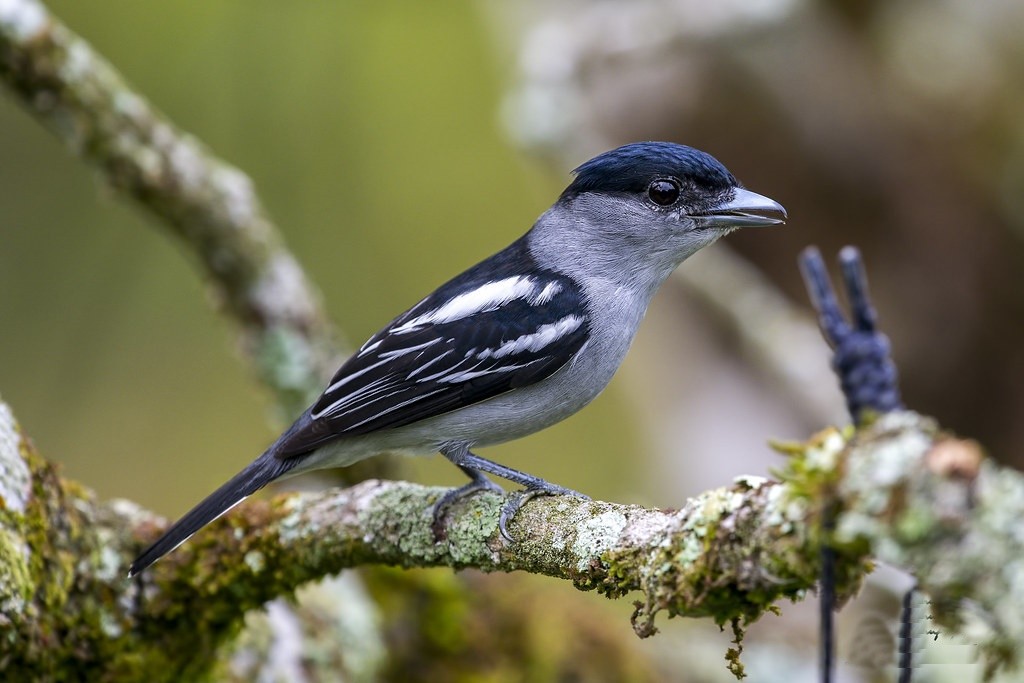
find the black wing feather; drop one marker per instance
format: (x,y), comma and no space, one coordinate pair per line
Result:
(398,378)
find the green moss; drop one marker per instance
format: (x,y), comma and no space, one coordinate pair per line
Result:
(732,655)
(15,577)
(66,613)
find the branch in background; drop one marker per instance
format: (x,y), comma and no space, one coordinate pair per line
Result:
(213,209)
(206,203)
(779,337)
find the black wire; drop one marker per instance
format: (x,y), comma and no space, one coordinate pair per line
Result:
(868,378)
(827,605)
(906,638)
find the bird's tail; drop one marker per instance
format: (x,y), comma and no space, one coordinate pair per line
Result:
(258,474)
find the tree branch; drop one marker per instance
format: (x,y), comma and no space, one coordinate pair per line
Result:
(909,495)
(206,203)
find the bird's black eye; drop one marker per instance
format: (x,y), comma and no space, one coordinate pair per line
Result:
(664,192)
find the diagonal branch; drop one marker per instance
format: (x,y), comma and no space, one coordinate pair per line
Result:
(206,203)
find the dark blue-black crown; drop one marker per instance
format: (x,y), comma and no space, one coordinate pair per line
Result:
(632,167)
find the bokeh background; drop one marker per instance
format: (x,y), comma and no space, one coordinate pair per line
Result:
(397,143)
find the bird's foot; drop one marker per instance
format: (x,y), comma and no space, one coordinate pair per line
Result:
(520,498)
(479,482)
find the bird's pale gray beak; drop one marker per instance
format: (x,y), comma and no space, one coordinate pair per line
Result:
(745,210)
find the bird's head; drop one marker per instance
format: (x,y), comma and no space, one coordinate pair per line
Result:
(645,207)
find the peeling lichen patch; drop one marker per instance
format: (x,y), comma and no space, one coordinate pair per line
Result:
(691,549)
(597,535)
(875,480)
(784,511)
(751,482)
(290,527)
(109,566)
(469,531)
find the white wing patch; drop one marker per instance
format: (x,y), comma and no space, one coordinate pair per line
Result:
(535,341)
(397,406)
(486,297)
(368,347)
(374,388)
(548,293)
(426,365)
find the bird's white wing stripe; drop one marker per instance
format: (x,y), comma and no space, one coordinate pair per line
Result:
(395,407)
(535,341)
(430,378)
(381,396)
(384,358)
(550,290)
(368,347)
(390,355)
(348,378)
(486,297)
(467,375)
(426,365)
(340,403)
(372,389)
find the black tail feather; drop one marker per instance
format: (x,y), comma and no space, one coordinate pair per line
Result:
(258,474)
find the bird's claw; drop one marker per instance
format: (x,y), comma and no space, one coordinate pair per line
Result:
(455,495)
(520,498)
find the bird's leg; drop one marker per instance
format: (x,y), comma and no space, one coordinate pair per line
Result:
(478,482)
(474,466)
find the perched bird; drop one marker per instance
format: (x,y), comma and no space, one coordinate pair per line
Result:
(519,341)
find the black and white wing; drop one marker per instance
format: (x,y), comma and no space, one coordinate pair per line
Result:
(490,330)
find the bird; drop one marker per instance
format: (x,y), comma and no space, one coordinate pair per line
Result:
(516,343)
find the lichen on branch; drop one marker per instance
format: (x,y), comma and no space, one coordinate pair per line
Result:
(729,554)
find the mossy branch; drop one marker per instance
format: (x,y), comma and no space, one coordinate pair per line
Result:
(908,494)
